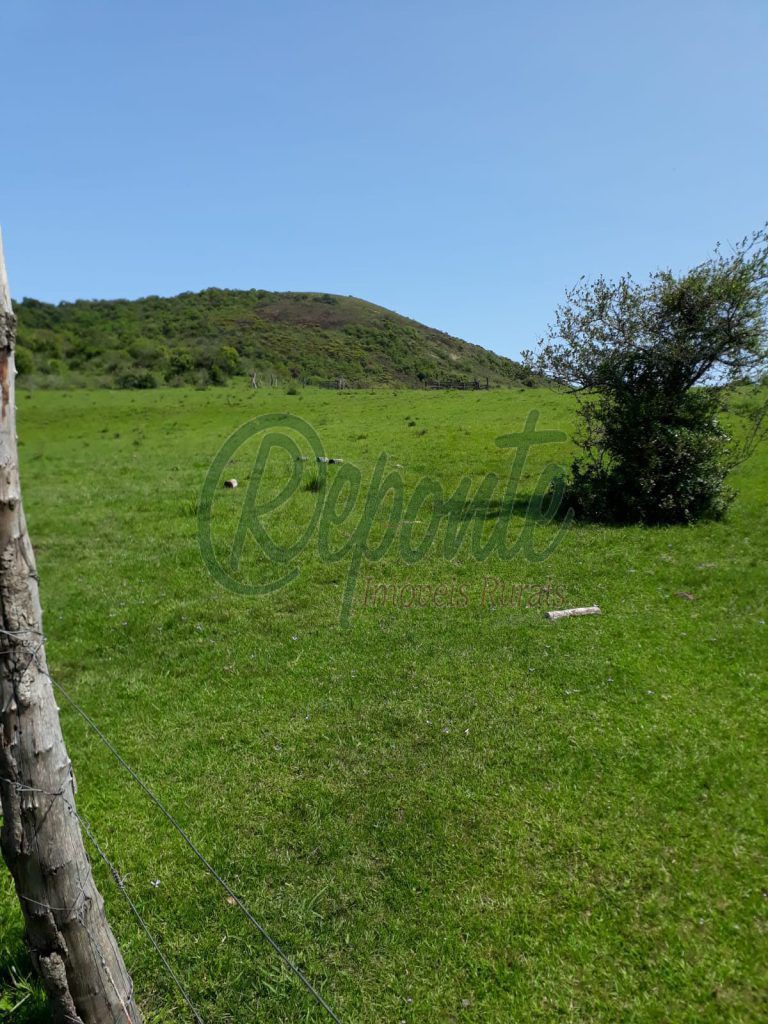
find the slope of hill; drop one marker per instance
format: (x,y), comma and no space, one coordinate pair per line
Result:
(207,336)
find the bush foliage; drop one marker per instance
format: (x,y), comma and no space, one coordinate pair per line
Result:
(658,365)
(207,337)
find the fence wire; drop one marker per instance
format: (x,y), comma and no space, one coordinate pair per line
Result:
(292,967)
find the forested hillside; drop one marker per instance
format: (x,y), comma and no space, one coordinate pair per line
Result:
(207,337)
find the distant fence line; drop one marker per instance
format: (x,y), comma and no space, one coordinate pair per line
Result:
(344,384)
(457,385)
(337,384)
(450,384)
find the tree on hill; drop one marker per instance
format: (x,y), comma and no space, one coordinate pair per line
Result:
(657,364)
(208,337)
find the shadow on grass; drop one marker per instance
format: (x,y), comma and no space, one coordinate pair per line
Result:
(538,509)
(525,506)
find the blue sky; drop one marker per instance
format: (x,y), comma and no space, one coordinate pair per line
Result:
(462,163)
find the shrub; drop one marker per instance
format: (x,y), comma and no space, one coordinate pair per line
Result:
(54,367)
(25,361)
(657,363)
(639,468)
(228,360)
(139,379)
(180,363)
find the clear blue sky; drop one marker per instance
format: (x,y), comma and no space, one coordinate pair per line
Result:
(460,162)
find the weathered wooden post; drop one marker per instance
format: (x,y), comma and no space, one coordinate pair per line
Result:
(71,943)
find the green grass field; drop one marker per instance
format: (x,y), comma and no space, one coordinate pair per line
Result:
(454,813)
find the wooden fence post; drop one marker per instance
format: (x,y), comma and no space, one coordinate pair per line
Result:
(70,941)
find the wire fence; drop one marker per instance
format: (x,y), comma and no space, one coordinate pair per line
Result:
(119,881)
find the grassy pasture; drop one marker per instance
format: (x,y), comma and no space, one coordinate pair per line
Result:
(458,813)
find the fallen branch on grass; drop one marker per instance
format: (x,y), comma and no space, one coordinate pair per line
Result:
(566,613)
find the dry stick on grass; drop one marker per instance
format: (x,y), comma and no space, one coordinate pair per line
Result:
(69,939)
(568,613)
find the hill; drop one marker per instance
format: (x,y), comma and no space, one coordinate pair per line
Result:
(208,336)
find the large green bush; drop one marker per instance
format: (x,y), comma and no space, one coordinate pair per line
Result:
(655,365)
(640,464)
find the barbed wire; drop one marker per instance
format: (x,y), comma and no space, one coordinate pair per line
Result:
(59,910)
(119,882)
(292,967)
